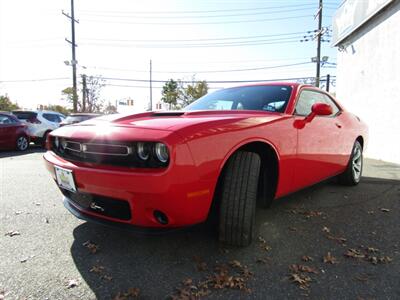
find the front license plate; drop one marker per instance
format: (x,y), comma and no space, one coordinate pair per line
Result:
(65,179)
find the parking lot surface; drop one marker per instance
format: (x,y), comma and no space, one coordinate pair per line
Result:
(325,242)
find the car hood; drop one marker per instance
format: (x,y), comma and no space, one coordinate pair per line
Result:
(176,120)
(161,124)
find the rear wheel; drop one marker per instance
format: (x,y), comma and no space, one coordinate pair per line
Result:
(238,199)
(352,175)
(22,143)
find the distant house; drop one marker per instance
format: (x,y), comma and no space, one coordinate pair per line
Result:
(367,34)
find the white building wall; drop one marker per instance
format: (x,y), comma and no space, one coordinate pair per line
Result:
(368,83)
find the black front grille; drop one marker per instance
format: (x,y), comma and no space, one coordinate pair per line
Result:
(106,206)
(122,154)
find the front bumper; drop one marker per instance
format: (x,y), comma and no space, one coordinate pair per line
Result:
(176,191)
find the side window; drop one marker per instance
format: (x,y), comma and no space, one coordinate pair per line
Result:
(305,102)
(52,118)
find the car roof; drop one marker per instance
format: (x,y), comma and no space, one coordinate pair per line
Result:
(272,83)
(83,114)
(37,111)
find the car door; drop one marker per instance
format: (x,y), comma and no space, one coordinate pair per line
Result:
(318,144)
(8,128)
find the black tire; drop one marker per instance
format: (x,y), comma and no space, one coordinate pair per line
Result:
(238,199)
(22,143)
(351,176)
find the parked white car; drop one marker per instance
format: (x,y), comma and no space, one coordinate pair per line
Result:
(40,123)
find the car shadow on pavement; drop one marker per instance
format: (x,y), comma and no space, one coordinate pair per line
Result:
(331,216)
(30,150)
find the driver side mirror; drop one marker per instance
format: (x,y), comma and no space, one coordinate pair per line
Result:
(319,109)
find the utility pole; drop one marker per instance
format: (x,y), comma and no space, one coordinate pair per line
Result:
(319,35)
(73,61)
(84,91)
(328,82)
(151,88)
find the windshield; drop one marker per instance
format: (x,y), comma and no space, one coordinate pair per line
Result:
(272,98)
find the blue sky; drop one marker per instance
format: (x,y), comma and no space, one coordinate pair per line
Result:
(210,40)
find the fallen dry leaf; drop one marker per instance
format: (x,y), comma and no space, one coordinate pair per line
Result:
(262,260)
(372,250)
(263,244)
(340,240)
(306,258)
(354,253)
(302,268)
(131,293)
(107,277)
(385,259)
(326,229)
(97,269)
(92,247)
(233,275)
(72,283)
(330,259)
(362,277)
(200,264)
(301,280)
(12,233)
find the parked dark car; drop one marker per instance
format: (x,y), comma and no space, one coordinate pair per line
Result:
(13,133)
(78,117)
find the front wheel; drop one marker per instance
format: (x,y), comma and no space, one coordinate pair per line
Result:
(239,197)
(22,143)
(352,174)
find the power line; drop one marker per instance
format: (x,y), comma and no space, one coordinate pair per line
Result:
(34,80)
(237,44)
(199,11)
(141,16)
(197,40)
(198,23)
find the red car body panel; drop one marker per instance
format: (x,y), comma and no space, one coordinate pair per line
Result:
(10,132)
(200,143)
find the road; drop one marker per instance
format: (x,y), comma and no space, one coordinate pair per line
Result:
(52,249)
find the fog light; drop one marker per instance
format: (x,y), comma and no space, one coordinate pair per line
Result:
(160,217)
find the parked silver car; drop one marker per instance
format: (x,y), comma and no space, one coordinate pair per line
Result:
(40,123)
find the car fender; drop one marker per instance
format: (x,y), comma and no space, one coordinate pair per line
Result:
(245,142)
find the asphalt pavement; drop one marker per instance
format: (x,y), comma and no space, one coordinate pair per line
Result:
(325,242)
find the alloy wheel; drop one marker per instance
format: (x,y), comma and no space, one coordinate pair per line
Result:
(357,163)
(22,143)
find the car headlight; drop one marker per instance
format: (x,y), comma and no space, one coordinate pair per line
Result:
(143,151)
(161,151)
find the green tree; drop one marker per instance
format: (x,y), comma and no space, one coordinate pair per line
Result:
(178,94)
(58,108)
(6,104)
(170,93)
(192,92)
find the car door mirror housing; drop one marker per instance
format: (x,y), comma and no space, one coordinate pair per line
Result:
(321,109)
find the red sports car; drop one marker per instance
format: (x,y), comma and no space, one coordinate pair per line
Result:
(217,157)
(13,133)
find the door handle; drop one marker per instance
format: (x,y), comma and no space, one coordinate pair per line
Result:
(338,125)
